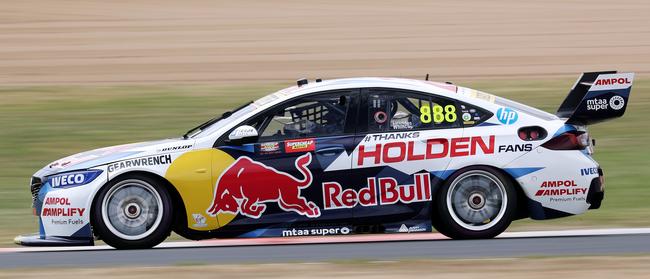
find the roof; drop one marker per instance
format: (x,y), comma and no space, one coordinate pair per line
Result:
(361,82)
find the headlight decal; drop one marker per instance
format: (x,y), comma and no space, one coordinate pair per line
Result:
(73,179)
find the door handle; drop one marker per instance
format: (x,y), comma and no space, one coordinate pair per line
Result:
(330,151)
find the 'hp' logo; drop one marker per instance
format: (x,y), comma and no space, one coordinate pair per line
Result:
(507,116)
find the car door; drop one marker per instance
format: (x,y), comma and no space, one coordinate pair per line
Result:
(275,184)
(403,149)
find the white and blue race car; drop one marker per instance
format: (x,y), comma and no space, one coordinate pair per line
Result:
(345,156)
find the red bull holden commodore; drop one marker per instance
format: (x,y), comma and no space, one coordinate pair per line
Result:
(346,156)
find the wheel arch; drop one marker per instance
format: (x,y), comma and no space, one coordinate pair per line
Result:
(522,205)
(178,206)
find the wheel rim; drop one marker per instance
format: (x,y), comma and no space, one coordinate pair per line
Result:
(132,209)
(477,200)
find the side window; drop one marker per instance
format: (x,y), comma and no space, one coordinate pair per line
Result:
(472,115)
(311,116)
(390,110)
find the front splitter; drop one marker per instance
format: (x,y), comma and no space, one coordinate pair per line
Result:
(37,240)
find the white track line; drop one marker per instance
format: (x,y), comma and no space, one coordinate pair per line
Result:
(337,239)
(584,232)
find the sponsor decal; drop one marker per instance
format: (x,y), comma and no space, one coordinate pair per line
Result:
(57,201)
(516,148)
(588,171)
(616,102)
(141,162)
(300,145)
(74,211)
(238,190)
(69,221)
(473,93)
(379,191)
(60,207)
(73,179)
(199,220)
(597,104)
(507,116)
(270,147)
(175,148)
(395,152)
(243,131)
(401,125)
(560,188)
(470,115)
(64,180)
(614,81)
(321,231)
(393,136)
(406,229)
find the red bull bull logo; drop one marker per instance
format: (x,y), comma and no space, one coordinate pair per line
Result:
(239,190)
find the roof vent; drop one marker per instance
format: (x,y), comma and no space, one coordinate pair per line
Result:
(302,81)
(318,80)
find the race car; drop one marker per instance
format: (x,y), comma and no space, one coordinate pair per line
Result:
(338,157)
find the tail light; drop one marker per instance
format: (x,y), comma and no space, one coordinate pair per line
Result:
(532,133)
(574,140)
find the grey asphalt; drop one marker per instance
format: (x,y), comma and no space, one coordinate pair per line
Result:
(432,249)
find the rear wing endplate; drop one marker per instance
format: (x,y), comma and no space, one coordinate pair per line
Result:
(597,97)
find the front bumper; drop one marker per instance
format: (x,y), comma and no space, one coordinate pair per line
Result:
(63,212)
(37,240)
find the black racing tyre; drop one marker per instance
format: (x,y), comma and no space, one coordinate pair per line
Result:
(475,203)
(133,212)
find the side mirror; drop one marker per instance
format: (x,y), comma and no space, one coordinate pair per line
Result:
(243,134)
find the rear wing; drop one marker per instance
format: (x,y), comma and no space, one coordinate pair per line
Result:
(596,97)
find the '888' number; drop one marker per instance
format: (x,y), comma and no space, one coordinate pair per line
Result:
(438,114)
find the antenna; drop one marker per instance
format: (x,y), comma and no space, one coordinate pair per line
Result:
(427,77)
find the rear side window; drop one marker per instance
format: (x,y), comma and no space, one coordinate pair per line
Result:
(394,110)
(473,115)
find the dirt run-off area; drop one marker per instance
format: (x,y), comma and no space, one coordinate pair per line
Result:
(237,42)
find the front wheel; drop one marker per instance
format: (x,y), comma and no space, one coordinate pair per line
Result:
(133,212)
(474,203)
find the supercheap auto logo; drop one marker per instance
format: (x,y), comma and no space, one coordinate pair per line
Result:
(300,145)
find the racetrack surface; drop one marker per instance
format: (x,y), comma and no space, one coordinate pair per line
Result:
(392,247)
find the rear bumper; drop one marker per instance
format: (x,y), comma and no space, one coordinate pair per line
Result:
(596,191)
(37,240)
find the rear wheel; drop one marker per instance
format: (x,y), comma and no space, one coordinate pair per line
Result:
(476,202)
(133,212)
